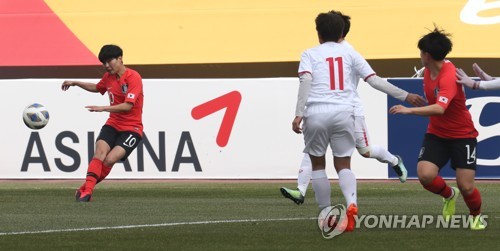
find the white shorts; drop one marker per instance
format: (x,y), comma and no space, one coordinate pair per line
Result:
(326,124)
(360,132)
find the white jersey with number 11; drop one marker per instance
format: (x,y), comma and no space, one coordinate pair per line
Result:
(336,70)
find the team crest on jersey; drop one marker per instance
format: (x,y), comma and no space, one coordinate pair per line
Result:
(124,88)
(436,92)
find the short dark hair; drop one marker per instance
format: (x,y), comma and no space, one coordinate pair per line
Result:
(109,51)
(437,43)
(329,26)
(347,21)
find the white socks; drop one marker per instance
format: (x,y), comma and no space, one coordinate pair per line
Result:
(382,155)
(322,189)
(347,183)
(305,173)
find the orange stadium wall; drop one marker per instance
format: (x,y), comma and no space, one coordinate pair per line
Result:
(70,33)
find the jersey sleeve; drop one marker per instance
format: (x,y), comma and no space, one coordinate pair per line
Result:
(134,88)
(361,66)
(305,63)
(447,88)
(101,86)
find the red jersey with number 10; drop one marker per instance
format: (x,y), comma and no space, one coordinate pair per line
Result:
(456,122)
(127,88)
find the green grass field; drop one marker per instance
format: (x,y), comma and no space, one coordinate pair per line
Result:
(163,215)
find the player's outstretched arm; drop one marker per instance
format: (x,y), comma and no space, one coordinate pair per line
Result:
(462,78)
(91,87)
(480,73)
(429,110)
(415,100)
(123,107)
(395,92)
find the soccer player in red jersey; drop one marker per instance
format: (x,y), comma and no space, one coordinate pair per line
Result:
(123,129)
(451,134)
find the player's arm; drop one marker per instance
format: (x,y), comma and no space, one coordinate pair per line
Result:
(364,69)
(492,84)
(448,90)
(393,91)
(480,73)
(91,87)
(429,110)
(304,88)
(123,107)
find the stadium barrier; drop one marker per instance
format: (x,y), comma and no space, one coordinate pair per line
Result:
(183,136)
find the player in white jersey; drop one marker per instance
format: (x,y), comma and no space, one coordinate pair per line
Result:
(363,145)
(329,74)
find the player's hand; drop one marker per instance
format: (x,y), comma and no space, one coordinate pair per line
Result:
(296,125)
(480,73)
(94,108)
(415,99)
(399,109)
(464,79)
(66,84)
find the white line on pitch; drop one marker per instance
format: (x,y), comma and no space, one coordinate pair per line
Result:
(152,225)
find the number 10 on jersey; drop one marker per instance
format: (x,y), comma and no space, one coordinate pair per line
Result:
(332,64)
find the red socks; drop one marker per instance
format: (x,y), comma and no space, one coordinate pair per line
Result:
(473,202)
(104,172)
(438,186)
(93,174)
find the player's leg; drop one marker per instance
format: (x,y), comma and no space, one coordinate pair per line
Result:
(316,139)
(368,150)
(343,144)
(348,186)
(471,195)
(303,180)
(433,155)
(125,145)
(304,177)
(104,143)
(320,182)
(84,193)
(464,162)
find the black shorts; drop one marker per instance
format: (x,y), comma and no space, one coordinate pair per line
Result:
(127,140)
(437,150)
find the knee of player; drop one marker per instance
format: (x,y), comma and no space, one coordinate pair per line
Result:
(109,161)
(425,178)
(364,151)
(100,154)
(466,189)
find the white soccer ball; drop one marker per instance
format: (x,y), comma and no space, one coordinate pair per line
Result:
(36,116)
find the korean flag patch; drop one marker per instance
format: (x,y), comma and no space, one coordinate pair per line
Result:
(443,99)
(131,96)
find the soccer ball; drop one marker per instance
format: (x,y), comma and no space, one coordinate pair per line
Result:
(36,116)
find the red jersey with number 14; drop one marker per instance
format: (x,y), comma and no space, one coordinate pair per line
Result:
(127,88)
(456,122)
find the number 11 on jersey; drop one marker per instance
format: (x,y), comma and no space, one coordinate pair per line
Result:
(332,62)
